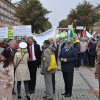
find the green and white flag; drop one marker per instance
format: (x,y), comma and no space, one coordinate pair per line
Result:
(72,34)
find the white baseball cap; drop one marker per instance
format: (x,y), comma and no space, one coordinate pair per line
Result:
(22,45)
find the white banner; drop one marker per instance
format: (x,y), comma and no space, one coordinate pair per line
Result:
(4,32)
(22,30)
(79,27)
(51,33)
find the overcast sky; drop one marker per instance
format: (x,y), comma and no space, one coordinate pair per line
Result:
(61,8)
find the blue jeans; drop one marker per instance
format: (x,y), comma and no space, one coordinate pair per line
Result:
(84,58)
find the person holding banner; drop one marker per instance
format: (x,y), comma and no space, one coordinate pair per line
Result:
(33,62)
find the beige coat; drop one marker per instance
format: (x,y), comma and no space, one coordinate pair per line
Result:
(6,82)
(97,67)
(22,71)
(46,61)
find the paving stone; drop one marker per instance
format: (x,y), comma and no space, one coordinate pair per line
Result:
(80,88)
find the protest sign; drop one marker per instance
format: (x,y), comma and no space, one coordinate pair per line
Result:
(4,32)
(23,30)
(10,34)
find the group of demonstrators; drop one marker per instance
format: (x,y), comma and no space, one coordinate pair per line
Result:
(20,58)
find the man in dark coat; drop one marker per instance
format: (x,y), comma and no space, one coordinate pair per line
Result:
(34,62)
(92,53)
(76,45)
(67,57)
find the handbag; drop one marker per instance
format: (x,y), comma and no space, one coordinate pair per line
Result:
(53,64)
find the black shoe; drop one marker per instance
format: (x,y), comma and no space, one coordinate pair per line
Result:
(19,97)
(28,98)
(68,95)
(31,92)
(63,93)
(13,92)
(53,92)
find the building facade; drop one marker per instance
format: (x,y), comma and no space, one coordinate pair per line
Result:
(97,28)
(7,11)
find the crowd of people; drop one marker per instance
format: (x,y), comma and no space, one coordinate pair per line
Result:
(20,64)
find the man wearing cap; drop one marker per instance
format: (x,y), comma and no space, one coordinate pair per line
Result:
(34,62)
(68,56)
(54,46)
(44,70)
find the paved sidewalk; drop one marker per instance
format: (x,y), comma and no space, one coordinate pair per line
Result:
(81,90)
(89,76)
